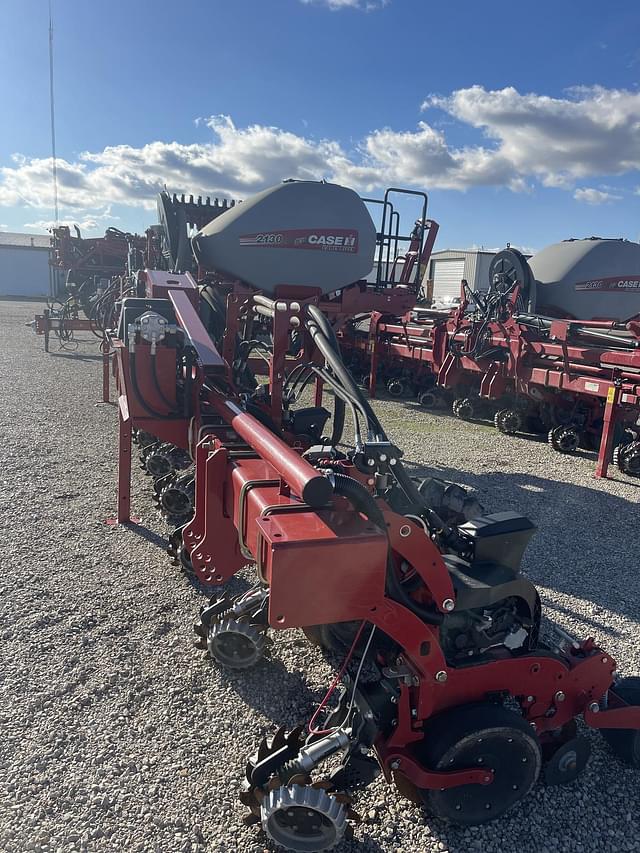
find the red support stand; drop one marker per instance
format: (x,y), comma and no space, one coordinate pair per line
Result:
(608,429)
(105,350)
(124,467)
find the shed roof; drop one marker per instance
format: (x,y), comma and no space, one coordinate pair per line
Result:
(460,252)
(24,241)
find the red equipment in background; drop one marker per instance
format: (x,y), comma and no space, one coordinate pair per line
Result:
(578,381)
(455,694)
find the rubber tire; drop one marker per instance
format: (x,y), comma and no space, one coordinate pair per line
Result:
(625,743)
(458,728)
(429,400)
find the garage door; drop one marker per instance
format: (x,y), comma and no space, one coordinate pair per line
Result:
(447,275)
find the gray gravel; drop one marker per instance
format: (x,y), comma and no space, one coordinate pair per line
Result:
(118,735)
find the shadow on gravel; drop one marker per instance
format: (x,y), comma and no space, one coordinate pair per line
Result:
(76,356)
(147,534)
(487,424)
(285,698)
(587,540)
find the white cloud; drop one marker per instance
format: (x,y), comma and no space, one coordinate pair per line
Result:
(337,5)
(593,131)
(525,139)
(593,196)
(96,221)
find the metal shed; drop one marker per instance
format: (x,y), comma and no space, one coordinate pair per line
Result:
(24,264)
(447,269)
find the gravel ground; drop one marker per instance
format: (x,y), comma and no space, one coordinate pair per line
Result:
(118,735)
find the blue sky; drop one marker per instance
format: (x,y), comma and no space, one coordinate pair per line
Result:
(521,121)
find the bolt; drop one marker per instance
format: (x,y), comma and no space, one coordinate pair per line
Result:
(441,676)
(448,604)
(605,660)
(393,461)
(383,457)
(371,462)
(594,707)
(395,764)
(530,698)
(559,697)
(405,531)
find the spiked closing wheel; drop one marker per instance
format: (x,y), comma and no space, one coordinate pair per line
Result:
(486,735)
(627,458)
(303,819)
(237,645)
(159,463)
(463,408)
(564,439)
(396,388)
(508,421)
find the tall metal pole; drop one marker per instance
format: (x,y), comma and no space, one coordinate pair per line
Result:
(54,169)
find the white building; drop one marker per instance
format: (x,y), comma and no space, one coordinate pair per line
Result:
(24,264)
(446,270)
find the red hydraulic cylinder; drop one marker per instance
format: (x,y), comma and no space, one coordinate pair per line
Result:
(314,489)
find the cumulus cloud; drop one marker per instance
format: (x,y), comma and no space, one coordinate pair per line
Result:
(593,131)
(95,221)
(522,140)
(593,196)
(337,5)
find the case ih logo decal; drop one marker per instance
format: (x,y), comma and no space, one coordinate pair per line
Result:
(319,239)
(628,282)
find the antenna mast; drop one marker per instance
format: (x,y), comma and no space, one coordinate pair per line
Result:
(54,169)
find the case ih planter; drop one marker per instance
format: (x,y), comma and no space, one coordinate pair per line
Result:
(454,693)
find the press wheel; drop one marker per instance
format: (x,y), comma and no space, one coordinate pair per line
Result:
(484,735)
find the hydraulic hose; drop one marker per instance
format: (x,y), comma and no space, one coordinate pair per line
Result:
(363,501)
(339,410)
(324,338)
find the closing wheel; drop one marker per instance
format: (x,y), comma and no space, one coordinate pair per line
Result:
(237,645)
(508,421)
(625,743)
(429,399)
(463,408)
(396,387)
(627,458)
(185,561)
(303,819)
(564,439)
(176,499)
(159,463)
(490,736)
